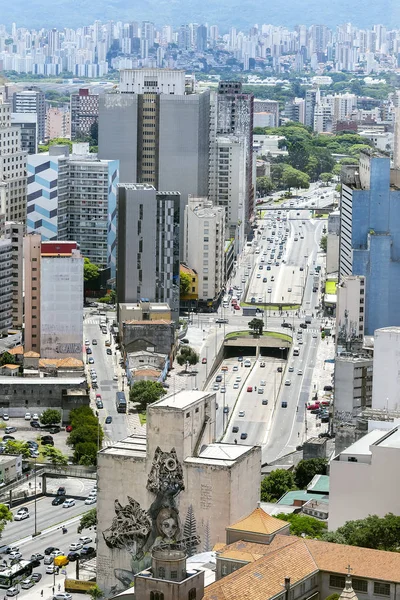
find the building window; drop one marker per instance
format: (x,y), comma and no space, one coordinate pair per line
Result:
(381,589)
(336,581)
(156,596)
(174,574)
(192,594)
(360,585)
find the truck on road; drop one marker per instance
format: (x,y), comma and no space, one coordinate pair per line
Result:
(308,318)
(252,311)
(315,283)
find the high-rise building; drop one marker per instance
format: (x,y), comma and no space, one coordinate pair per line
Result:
(53,298)
(201,38)
(84,113)
(12,168)
(28,125)
(6,285)
(32,101)
(148,245)
(370,238)
(234,116)
(74,197)
(205,224)
(142,128)
(310,102)
(15,233)
(58,123)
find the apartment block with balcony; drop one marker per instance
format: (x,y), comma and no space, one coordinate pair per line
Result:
(6,285)
(204,247)
(15,233)
(84,113)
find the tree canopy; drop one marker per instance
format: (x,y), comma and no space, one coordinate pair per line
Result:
(145,393)
(185,282)
(5,516)
(323,244)
(7,359)
(17,447)
(306,469)
(85,435)
(187,356)
(50,416)
(257,326)
(90,270)
(264,185)
(276,484)
(380,533)
(88,520)
(304,525)
(55,456)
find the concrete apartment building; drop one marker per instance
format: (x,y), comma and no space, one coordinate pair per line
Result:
(353,386)
(369,236)
(268,106)
(84,112)
(204,247)
(176,475)
(12,168)
(6,285)
(58,123)
(32,101)
(363,478)
(386,389)
(227,185)
(73,196)
(148,245)
(349,308)
(53,298)
(14,232)
(143,130)
(28,125)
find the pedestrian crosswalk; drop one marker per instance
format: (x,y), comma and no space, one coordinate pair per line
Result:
(92,321)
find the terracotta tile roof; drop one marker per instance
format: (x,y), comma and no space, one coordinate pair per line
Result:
(60,362)
(245,551)
(11,366)
(187,270)
(259,522)
(365,562)
(148,372)
(31,354)
(264,578)
(16,350)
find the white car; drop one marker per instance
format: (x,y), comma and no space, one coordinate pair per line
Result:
(241,413)
(87,343)
(300,372)
(85,540)
(288,382)
(258,276)
(236,386)
(235,368)
(115,378)
(91,500)
(68,503)
(28,416)
(15,555)
(50,569)
(75,546)
(291,369)
(56,553)
(62,596)
(12,591)
(35,417)
(20,516)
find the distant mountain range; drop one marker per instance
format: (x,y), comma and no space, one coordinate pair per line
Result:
(224,13)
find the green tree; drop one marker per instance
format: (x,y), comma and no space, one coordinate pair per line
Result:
(381,533)
(333,597)
(85,432)
(7,359)
(145,393)
(323,244)
(264,185)
(95,593)
(90,270)
(276,484)
(50,416)
(257,326)
(57,142)
(88,520)
(16,447)
(304,525)
(187,356)
(306,469)
(185,282)
(85,451)
(293,178)
(326,177)
(5,517)
(55,456)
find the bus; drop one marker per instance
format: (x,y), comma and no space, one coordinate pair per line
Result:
(120,402)
(15,573)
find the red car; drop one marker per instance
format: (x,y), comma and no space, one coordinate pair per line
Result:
(236,307)
(98,396)
(204,361)
(68,428)
(249,388)
(313,406)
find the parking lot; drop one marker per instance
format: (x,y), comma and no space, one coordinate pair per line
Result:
(24,432)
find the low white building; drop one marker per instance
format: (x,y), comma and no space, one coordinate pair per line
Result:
(204,246)
(364,478)
(353,386)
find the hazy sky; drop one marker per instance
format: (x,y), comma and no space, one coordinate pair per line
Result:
(225,13)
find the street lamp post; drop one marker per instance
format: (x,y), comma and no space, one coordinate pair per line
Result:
(35,501)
